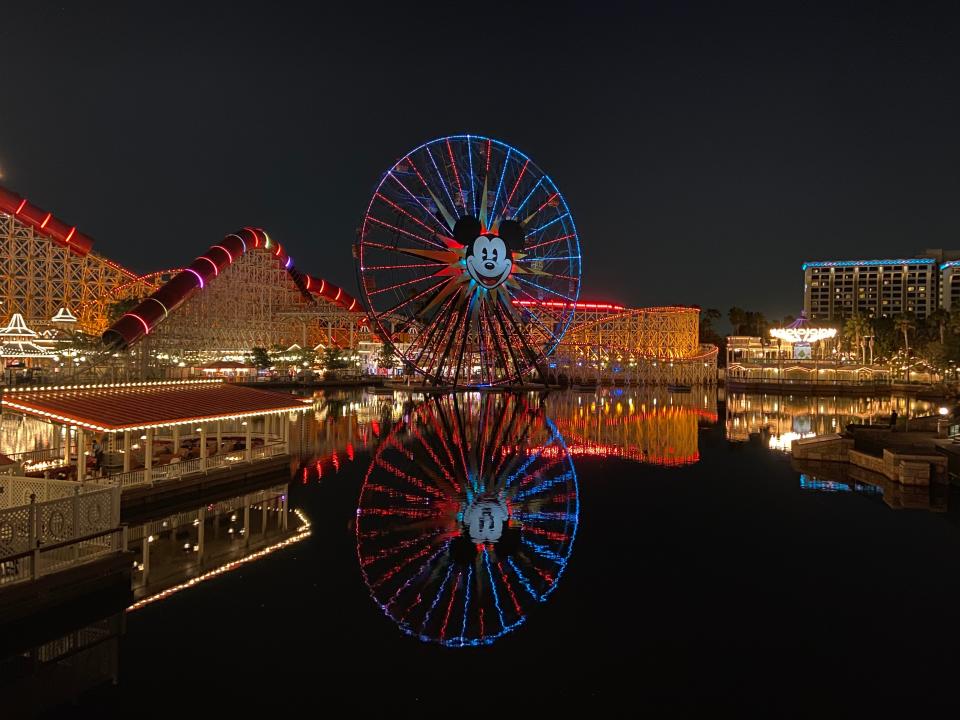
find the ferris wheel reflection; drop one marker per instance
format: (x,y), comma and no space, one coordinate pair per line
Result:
(467,517)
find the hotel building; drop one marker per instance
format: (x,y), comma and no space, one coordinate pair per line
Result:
(837,289)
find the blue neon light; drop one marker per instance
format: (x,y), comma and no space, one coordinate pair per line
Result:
(473,191)
(546,225)
(516,213)
(453,205)
(861,263)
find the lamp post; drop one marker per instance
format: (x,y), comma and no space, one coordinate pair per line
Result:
(779,361)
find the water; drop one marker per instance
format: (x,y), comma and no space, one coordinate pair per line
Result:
(679,562)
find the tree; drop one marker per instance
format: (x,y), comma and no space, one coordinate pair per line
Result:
(855,329)
(333,359)
(905,324)
(939,319)
(260,358)
(386,358)
(757,323)
(738,320)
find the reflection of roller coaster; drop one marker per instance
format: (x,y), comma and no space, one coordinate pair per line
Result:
(654,428)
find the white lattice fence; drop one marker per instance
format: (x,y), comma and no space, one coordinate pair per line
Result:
(54,521)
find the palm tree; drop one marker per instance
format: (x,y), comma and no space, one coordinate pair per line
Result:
(855,329)
(939,319)
(738,319)
(904,324)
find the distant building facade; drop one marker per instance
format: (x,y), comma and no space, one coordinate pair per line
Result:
(835,290)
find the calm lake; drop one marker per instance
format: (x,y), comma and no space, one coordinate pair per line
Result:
(518,554)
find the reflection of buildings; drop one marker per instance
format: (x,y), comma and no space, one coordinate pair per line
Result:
(819,476)
(785,418)
(179,550)
(659,428)
(48,672)
(343,422)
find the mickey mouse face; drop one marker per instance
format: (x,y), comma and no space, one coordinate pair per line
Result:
(488,262)
(489,259)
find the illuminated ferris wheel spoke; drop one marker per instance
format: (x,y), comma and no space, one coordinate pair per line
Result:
(493,588)
(446,189)
(531,354)
(546,289)
(456,175)
(562,238)
(546,203)
(506,205)
(426,211)
(503,173)
(473,191)
(536,231)
(425,336)
(523,203)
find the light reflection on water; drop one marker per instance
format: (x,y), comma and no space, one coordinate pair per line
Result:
(781,419)
(467,517)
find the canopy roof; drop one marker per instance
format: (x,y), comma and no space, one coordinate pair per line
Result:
(17,328)
(23,349)
(146,405)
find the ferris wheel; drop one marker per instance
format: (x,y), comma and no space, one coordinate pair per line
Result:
(468,262)
(467,518)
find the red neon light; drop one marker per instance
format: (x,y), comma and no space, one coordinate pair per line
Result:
(277,253)
(339,291)
(46,220)
(216,271)
(221,247)
(561,304)
(413,165)
(322,285)
(308,282)
(146,328)
(548,242)
(456,174)
(401,210)
(515,186)
(353,304)
(20,206)
(70,234)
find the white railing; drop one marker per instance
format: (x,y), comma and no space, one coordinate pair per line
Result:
(38,523)
(16,490)
(269,450)
(37,455)
(189,467)
(42,560)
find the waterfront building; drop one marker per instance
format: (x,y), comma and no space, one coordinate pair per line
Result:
(800,354)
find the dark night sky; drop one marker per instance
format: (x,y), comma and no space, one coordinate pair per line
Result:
(705,151)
